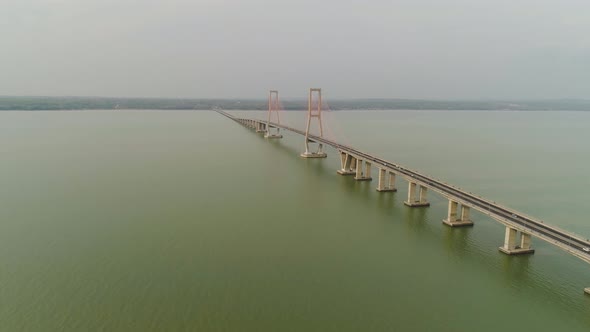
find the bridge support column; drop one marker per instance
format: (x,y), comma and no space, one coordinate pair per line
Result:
(414,201)
(587,290)
(260,127)
(363,174)
(384,184)
(318,154)
(511,247)
(269,135)
(452,219)
(347,164)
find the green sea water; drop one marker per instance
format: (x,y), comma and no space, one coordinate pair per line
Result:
(187,221)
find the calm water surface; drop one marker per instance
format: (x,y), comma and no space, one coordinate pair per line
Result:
(186,221)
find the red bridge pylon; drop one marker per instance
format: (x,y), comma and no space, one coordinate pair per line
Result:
(273,107)
(314,111)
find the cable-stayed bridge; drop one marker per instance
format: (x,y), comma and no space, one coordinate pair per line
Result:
(520,228)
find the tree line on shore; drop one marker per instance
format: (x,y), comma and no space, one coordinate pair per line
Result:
(105,103)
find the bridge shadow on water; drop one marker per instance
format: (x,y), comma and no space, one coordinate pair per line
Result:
(387,202)
(516,270)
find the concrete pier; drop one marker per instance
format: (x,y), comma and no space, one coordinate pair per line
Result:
(363,173)
(386,181)
(260,127)
(511,247)
(267,135)
(587,290)
(416,201)
(347,164)
(313,155)
(452,219)
(318,154)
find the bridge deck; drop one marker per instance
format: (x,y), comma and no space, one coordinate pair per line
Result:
(570,242)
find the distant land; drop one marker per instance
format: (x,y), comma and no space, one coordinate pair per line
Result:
(105,103)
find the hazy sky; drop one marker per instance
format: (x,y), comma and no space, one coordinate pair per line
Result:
(441,49)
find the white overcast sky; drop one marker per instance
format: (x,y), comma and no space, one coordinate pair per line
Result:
(443,49)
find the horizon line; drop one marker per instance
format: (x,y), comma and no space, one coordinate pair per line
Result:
(304,98)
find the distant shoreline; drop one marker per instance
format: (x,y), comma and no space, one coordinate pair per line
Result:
(105,103)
